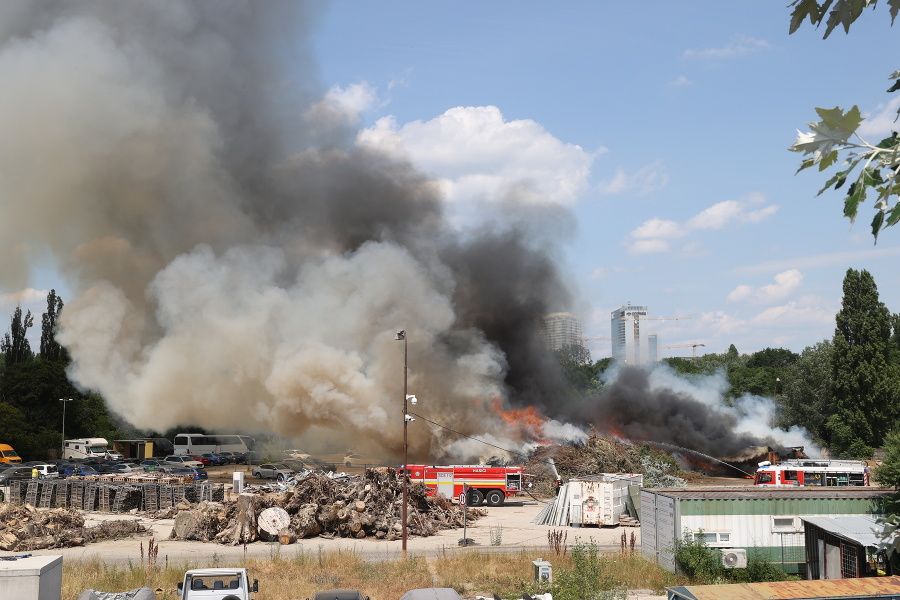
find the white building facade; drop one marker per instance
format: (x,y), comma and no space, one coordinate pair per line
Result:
(629,335)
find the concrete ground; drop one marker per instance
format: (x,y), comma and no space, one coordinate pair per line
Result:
(510,524)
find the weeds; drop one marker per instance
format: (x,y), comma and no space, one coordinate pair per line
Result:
(557,541)
(496,535)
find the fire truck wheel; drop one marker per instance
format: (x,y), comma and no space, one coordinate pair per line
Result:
(475,498)
(495,498)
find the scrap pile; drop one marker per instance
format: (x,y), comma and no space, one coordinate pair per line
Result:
(24,528)
(359,507)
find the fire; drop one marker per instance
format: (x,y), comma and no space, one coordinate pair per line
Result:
(529,420)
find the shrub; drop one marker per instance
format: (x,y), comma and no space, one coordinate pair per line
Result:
(697,560)
(588,579)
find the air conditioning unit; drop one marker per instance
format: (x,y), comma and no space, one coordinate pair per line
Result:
(734,558)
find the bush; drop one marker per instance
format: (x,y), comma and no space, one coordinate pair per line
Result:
(697,560)
(589,577)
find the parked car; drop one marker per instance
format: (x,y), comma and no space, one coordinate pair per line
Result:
(81,470)
(122,468)
(276,471)
(152,464)
(16,473)
(353,459)
(183,461)
(200,458)
(215,459)
(197,474)
(233,457)
(317,464)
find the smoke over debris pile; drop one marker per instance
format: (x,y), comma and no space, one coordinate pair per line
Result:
(236,264)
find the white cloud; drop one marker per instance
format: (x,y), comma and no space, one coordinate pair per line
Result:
(881,122)
(656,234)
(643,181)
(476,154)
(796,314)
(680,81)
(740,45)
(785,284)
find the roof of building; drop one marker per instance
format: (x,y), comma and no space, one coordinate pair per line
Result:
(860,530)
(868,587)
(749,492)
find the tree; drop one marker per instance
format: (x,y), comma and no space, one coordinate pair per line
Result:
(861,379)
(806,398)
(15,345)
(836,134)
(888,473)
(50,348)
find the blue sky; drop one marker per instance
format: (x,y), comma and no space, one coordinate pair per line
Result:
(663,127)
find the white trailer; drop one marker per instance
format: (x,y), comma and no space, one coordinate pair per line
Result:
(87,448)
(600,499)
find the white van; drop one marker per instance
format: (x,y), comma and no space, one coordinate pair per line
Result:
(86,448)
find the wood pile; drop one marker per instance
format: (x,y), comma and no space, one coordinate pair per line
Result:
(25,528)
(360,507)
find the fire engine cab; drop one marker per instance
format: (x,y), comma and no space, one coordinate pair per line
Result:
(813,472)
(486,484)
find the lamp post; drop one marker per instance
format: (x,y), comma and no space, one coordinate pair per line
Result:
(63,448)
(775,402)
(401,335)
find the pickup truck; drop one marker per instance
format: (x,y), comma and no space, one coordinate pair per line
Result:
(217,584)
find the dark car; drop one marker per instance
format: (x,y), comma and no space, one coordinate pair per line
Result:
(81,470)
(17,473)
(197,474)
(215,459)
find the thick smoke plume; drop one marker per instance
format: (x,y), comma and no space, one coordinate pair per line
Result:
(656,405)
(237,262)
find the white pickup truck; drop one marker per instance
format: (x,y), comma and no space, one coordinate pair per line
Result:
(217,584)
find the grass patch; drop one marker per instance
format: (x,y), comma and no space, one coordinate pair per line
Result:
(291,574)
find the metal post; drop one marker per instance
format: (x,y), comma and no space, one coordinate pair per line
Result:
(62,449)
(401,335)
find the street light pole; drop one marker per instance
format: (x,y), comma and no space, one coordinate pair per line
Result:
(63,448)
(401,335)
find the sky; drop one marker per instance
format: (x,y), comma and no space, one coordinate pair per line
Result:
(242,203)
(663,127)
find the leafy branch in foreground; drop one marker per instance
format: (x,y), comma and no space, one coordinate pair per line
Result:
(878,164)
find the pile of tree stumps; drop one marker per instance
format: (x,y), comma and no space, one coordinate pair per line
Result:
(24,528)
(361,507)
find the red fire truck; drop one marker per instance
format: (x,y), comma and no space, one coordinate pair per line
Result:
(486,484)
(813,472)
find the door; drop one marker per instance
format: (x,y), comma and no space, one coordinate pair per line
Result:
(445,484)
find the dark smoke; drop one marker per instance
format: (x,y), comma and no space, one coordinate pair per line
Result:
(237,262)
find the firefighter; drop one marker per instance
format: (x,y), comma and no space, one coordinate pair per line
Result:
(35,473)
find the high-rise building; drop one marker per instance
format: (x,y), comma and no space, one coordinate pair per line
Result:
(629,338)
(561,329)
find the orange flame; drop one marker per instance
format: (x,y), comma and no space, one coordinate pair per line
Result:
(528,420)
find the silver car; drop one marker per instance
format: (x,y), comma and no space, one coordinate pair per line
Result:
(275,471)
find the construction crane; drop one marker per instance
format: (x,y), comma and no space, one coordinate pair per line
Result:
(694,346)
(637,327)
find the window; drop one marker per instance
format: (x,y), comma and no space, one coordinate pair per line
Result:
(713,538)
(764,477)
(784,524)
(790,475)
